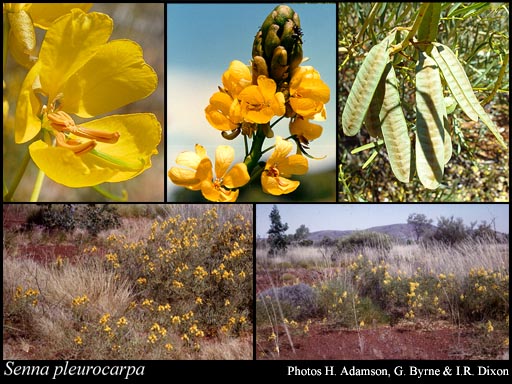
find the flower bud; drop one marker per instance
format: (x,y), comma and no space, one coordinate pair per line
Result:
(279,42)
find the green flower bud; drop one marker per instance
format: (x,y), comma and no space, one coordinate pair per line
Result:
(279,42)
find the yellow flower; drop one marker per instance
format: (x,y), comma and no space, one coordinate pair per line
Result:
(224,112)
(80,72)
(122,321)
(305,130)
(168,346)
(218,188)
(490,327)
(199,300)
(259,103)
(308,93)
(22,17)
(78,340)
(279,167)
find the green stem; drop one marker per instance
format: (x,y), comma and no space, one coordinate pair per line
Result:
(368,20)
(37,186)
(251,160)
(407,41)
(17,179)
(497,84)
(109,195)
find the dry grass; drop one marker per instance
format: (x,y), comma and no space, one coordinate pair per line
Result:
(82,308)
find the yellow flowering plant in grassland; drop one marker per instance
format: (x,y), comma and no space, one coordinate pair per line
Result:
(193,274)
(251,101)
(79,73)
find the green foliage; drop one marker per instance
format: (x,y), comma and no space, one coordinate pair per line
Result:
(470,55)
(67,217)
(98,217)
(53,217)
(420,224)
(276,234)
(358,240)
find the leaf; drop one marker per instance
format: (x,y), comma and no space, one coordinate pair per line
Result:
(364,87)
(429,26)
(430,129)
(461,88)
(394,129)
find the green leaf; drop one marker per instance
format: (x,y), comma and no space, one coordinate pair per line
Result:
(429,26)
(461,88)
(364,87)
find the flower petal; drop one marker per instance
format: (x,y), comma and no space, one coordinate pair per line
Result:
(224,156)
(44,14)
(219,195)
(27,124)
(140,134)
(218,112)
(64,167)
(115,76)
(237,176)
(277,185)
(185,178)
(69,43)
(293,165)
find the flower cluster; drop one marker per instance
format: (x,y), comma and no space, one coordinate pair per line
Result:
(274,85)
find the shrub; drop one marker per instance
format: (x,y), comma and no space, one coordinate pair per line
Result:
(297,302)
(359,240)
(197,270)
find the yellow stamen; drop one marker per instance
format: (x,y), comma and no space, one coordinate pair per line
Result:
(62,122)
(79,148)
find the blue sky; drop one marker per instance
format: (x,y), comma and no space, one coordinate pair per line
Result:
(203,39)
(319,217)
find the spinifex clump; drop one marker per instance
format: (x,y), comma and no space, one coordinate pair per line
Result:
(273,85)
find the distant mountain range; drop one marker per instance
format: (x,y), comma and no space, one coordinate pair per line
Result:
(400,231)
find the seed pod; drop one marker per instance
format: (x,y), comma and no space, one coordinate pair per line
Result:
(394,128)
(461,88)
(364,87)
(430,130)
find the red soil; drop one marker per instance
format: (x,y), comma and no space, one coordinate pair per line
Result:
(419,341)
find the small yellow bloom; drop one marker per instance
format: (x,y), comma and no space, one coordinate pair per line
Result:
(222,187)
(169,346)
(305,130)
(199,300)
(490,327)
(78,340)
(259,103)
(308,93)
(121,322)
(280,166)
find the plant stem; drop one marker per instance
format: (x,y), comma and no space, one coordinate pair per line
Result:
(17,178)
(37,186)
(498,82)
(405,43)
(251,160)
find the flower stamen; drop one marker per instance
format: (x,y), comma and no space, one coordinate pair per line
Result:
(62,122)
(78,147)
